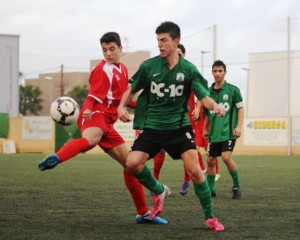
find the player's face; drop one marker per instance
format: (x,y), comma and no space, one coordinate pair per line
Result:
(111,52)
(218,73)
(167,46)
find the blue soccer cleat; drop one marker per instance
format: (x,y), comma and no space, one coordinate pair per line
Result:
(49,162)
(147,219)
(184,188)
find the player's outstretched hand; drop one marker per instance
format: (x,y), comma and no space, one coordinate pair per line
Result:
(195,115)
(123,114)
(220,111)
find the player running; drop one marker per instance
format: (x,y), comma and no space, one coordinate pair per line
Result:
(194,116)
(108,81)
(166,82)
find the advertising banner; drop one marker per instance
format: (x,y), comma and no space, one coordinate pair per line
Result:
(125,130)
(265,131)
(37,128)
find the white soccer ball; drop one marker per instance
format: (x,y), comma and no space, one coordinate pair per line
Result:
(64,110)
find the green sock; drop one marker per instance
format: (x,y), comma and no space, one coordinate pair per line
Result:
(146,179)
(211,182)
(204,195)
(235,177)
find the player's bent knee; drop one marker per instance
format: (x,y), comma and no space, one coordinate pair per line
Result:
(132,167)
(93,141)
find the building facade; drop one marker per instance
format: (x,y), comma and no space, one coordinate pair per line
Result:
(273,84)
(9,74)
(54,85)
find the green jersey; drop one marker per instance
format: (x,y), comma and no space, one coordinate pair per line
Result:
(221,128)
(163,102)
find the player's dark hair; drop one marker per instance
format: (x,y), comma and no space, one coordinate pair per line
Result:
(169,27)
(111,37)
(182,48)
(219,63)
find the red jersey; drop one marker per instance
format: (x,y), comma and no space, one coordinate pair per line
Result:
(197,125)
(192,105)
(108,82)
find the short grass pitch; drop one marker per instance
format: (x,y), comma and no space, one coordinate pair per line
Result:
(85,198)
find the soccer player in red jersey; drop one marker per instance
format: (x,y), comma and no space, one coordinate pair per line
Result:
(108,81)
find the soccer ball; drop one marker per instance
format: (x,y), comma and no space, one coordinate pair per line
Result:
(64,110)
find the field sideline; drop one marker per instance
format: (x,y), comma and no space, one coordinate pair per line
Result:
(85,198)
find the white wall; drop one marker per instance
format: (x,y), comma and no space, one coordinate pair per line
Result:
(268,84)
(9,74)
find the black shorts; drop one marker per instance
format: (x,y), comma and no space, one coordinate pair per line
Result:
(174,142)
(216,149)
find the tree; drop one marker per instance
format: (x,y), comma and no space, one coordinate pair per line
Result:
(79,94)
(30,101)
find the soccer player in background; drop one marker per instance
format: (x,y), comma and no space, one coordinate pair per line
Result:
(195,111)
(223,132)
(108,81)
(161,111)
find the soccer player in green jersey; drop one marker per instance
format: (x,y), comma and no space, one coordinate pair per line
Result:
(196,117)
(166,82)
(223,132)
